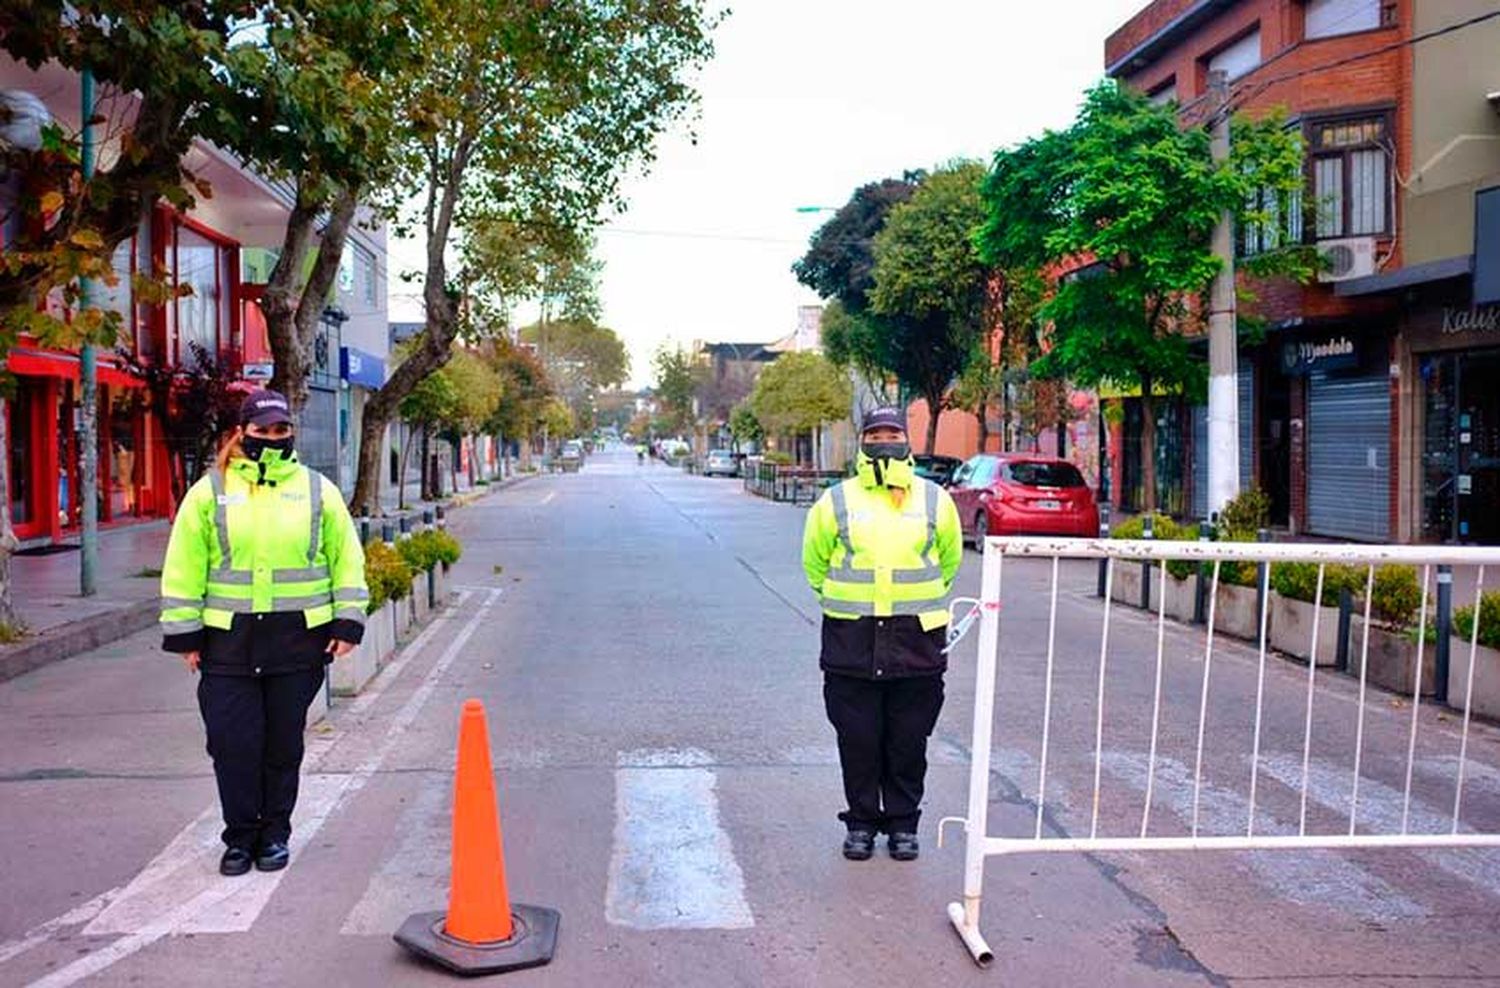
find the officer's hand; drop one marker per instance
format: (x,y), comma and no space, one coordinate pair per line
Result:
(190,659)
(338,648)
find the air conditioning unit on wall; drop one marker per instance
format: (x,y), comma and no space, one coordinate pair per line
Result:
(1351,257)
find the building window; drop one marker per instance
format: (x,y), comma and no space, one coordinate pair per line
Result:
(364,263)
(1350,177)
(1238,58)
(1274,221)
(1165,93)
(1327,18)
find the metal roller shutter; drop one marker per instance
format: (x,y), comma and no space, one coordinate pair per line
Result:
(1348,456)
(1247,440)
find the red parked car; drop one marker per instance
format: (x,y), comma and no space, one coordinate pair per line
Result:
(1023,494)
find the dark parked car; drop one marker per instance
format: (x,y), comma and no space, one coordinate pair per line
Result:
(1023,494)
(938,469)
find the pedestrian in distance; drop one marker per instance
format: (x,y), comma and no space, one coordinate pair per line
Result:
(881,551)
(263,585)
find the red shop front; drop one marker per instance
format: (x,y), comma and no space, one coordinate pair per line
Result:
(134,482)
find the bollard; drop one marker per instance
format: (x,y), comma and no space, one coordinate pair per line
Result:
(1200,598)
(1444,641)
(1262,574)
(1103,534)
(364,531)
(388,532)
(1346,609)
(427,518)
(405,526)
(1147,533)
(442,517)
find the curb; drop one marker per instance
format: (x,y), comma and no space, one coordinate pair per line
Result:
(75,637)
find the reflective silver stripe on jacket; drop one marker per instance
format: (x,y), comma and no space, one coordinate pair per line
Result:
(355,595)
(930,495)
(356,614)
(315,493)
(301,575)
(841,518)
(181,627)
(923,575)
(233,604)
(232,577)
(846,575)
(300,603)
(170,603)
(864,608)
(221,515)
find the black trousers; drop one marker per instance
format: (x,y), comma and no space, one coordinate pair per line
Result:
(255,726)
(882,728)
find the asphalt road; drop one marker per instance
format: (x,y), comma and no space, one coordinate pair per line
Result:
(646,649)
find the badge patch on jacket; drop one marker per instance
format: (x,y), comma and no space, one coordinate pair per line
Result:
(228,499)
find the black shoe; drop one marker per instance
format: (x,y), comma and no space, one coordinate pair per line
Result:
(903,847)
(859,845)
(272,857)
(236,861)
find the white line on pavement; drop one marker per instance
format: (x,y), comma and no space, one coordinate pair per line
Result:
(673,865)
(247,909)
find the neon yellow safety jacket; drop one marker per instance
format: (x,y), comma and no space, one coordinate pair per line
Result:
(271,537)
(865,557)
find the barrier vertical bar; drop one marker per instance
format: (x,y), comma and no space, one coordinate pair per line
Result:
(1444,637)
(1463,745)
(1205,534)
(1161,645)
(1103,534)
(1260,687)
(1359,730)
(1312,675)
(1208,658)
(1416,695)
(1109,579)
(1041,785)
(976,825)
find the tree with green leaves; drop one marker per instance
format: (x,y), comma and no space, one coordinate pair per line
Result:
(931,288)
(581,359)
(799,393)
(1128,198)
(529,114)
(523,394)
(744,427)
(676,387)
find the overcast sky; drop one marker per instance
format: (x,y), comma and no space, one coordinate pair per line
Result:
(804,102)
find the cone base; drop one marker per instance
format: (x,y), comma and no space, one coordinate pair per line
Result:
(532,945)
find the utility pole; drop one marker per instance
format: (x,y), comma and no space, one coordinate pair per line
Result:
(1223,372)
(88,398)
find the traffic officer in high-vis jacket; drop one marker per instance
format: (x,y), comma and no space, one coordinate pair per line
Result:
(881,550)
(262,587)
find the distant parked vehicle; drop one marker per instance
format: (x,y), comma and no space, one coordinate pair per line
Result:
(720,463)
(1023,494)
(938,469)
(572,456)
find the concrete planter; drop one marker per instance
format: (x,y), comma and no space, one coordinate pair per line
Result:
(1181,596)
(351,672)
(421,603)
(380,633)
(1486,678)
(1125,584)
(1235,613)
(1292,625)
(442,580)
(318,709)
(1392,660)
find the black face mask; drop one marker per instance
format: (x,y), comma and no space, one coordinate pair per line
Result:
(886,451)
(256,446)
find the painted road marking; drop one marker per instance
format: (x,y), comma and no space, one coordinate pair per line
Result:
(414,878)
(243,913)
(549,497)
(1315,878)
(1330,786)
(673,866)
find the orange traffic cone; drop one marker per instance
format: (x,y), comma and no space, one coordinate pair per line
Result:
(482,932)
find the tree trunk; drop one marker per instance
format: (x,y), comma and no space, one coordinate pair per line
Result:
(425,488)
(400,469)
(934,413)
(291,327)
(8,543)
(1148,445)
(367,482)
(984,426)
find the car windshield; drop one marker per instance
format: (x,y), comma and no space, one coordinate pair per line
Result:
(1034,474)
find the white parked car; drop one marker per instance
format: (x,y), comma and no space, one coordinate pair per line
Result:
(720,463)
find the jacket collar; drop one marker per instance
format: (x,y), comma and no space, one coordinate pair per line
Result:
(277,472)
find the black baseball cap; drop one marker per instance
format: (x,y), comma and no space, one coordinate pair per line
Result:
(264,408)
(884,417)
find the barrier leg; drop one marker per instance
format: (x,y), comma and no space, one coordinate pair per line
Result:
(965,916)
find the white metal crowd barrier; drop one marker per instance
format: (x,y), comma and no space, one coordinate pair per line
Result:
(979,844)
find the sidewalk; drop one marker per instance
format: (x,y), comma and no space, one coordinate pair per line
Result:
(61,623)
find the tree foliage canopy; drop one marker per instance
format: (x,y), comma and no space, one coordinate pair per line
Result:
(800,391)
(840,259)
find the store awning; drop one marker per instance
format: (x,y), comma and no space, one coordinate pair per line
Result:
(47,363)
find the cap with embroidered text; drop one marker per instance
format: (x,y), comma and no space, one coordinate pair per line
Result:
(265,408)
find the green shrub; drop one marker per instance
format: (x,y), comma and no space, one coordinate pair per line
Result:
(1489,620)
(427,548)
(1299,581)
(446,549)
(1244,515)
(778,458)
(1163,529)
(1396,596)
(386,573)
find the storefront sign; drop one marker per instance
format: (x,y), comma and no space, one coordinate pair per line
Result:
(1479,319)
(1299,358)
(363,369)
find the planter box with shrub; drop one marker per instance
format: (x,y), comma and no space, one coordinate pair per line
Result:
(1392,661)
(348,674)
(1235,613)
(1487,663)
(1294,586)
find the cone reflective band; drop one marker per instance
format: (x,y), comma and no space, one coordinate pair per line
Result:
(482,931)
